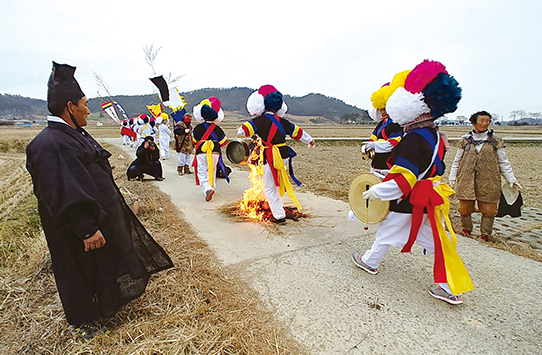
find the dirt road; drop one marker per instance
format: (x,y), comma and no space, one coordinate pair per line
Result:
(304,274)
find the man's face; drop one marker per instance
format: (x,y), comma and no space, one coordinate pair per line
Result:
(80,111)
(482,123)
(384,113)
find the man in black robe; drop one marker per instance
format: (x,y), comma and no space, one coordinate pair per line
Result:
(102,255)
(147,161)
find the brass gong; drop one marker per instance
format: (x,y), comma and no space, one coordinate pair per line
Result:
(369,212)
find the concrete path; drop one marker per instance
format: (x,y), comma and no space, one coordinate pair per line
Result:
(305,276)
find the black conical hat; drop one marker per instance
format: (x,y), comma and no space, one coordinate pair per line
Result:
(62,87)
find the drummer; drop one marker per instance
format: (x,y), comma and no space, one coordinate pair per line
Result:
(208,139)
(268,106)
(413,184)
(387,133)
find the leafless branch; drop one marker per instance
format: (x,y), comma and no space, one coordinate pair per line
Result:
(173,79)
(101,83)
(150,55)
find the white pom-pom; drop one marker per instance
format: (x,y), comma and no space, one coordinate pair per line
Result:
(375,114)
(197,115)
(404,107)
(255,104)
(196,112)
(220,116)
(282,110)
(159,120)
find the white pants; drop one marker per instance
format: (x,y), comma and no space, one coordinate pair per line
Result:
(276,202)
(395,230)
(203,172)
(126,140)
(184,159)
(164,147)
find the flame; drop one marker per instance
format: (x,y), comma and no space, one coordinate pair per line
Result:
(254,201)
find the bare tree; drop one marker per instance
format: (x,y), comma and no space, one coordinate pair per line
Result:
(101,83)
(461,119)
(170,79)
(150,55)
(536,115)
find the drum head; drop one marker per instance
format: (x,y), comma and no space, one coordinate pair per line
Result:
(370,212)
(237,152)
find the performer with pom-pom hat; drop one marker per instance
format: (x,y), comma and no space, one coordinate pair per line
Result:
(165,134)
(126,133)
(208,138)
(143,129)
(152,123)
(418,199)
(133,126)
(268,105)
(387,133)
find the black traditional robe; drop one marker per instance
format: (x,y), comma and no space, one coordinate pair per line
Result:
(76,197)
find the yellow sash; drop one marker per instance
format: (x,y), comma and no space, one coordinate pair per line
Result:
(282,175)
(207,148)
(456,273)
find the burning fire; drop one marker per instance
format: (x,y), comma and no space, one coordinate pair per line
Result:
(254,204)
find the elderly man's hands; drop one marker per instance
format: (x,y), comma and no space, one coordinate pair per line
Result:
(96,241)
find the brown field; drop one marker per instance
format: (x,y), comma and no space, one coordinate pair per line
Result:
(198,307)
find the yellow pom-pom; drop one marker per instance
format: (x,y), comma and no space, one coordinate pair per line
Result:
(380,97)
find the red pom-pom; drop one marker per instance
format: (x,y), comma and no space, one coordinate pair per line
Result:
(423,74)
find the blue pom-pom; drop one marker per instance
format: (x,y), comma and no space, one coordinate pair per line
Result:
(273,101)
(442,95)
(208,113)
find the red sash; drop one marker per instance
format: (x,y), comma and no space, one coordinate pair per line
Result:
(128,132)
(269,152)
(424,196)
(200,142)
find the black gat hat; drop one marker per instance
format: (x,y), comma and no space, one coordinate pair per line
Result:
(62,87)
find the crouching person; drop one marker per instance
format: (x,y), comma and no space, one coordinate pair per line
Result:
(147,161)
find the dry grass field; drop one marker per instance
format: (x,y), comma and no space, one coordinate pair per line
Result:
(198,307)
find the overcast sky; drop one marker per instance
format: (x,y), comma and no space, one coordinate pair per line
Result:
(342,49)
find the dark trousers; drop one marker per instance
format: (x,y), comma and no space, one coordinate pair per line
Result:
(154,170)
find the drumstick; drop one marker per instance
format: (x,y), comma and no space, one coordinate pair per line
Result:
(367,187)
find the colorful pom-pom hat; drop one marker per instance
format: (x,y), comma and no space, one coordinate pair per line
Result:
(429,92)
(266,98)
(381,96)
(209,110)
(142,119)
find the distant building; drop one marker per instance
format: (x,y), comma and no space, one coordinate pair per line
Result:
(445,122)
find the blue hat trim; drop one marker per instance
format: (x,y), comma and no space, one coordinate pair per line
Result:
(442,94)
(273,101)
(208,113)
